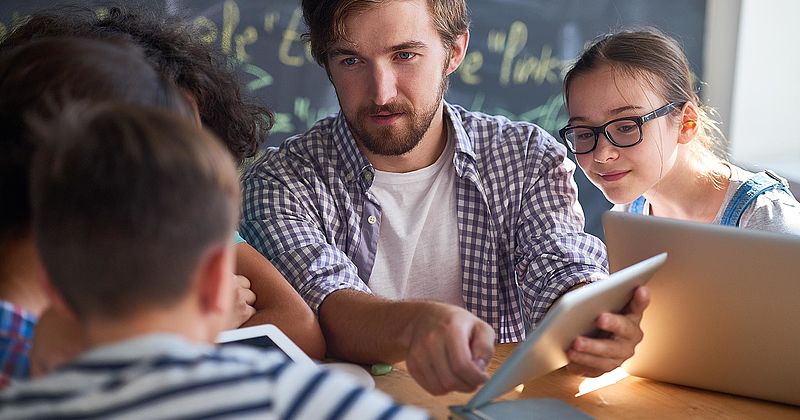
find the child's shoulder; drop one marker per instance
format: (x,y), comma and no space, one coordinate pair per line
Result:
(775,209)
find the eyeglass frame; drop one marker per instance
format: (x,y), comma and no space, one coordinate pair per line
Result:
(639,121)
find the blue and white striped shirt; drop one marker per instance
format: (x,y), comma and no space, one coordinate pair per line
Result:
(166,376)
(308,208)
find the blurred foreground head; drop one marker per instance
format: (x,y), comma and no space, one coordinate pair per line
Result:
(128,201)
(38,78)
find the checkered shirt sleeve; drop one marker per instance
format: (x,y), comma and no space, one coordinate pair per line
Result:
(553,253)
(290,216)
(16,339)
(522,241)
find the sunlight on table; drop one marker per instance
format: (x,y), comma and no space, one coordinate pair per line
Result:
(609,378)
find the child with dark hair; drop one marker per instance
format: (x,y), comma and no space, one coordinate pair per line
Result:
(37,78)
(133,213)
(199,71)
(174,49)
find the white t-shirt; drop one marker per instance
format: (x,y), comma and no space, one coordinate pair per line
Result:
(418,254)
(773,211)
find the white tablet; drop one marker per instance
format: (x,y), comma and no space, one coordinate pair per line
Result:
(544,349)
(267,337)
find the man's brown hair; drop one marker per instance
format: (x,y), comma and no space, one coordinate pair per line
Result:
(127,201)
(325,21)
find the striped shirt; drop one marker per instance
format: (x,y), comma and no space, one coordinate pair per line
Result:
(309,209)
(16,338)
(165,376)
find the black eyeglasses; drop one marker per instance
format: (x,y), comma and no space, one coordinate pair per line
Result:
(622,132)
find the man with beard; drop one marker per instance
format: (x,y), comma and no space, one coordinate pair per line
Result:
(416,229)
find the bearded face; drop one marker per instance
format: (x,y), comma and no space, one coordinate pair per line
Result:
(397,127)
(390,74)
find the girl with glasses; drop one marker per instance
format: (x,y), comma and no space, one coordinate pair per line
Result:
(639,132)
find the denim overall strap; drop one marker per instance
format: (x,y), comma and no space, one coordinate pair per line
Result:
(637,206)
(747,193)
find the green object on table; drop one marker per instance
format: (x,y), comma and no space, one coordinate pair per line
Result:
(380,369)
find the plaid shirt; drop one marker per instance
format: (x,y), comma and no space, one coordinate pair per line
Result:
(16,336)
(308,208)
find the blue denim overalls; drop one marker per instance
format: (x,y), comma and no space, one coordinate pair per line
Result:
(745,195)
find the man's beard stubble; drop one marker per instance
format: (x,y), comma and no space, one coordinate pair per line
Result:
(386,141)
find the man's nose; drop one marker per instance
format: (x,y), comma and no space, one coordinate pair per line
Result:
(384,84)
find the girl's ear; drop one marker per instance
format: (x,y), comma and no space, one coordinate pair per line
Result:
(689,123)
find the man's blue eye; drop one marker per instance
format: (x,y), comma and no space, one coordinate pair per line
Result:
(405,55)
(349,61)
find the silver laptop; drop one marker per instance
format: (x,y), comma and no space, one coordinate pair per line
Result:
(725,308)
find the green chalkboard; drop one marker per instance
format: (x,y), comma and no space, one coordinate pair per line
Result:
(519,50)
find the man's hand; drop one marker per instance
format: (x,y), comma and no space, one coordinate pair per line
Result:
(448,349)
(595,356)
(57,340)
(244,298)
(445,347)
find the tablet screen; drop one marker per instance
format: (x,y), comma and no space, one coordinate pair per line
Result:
(574,314)
(265,337)
(263,342)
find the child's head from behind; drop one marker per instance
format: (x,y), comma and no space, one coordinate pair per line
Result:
(633,74)
(130,204)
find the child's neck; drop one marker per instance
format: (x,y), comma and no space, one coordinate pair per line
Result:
(20,276)
(689,191)
(180,320)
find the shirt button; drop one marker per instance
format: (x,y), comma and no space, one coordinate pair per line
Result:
(372,219)
(368,176)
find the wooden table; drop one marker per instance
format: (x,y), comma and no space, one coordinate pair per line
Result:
(632,397)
